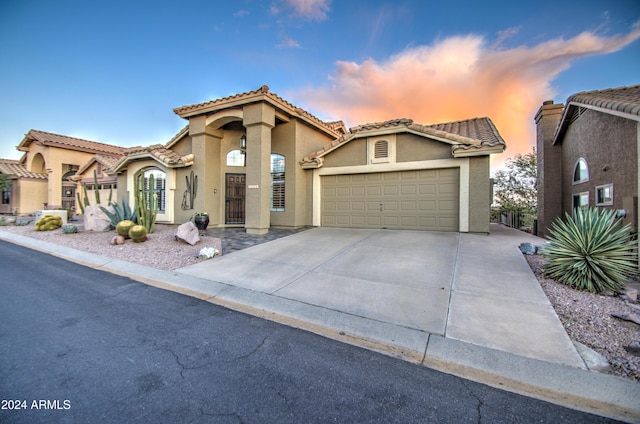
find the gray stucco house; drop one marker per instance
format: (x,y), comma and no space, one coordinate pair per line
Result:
(587,152)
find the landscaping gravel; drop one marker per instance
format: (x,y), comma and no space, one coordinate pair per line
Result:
(161,250)
(586,317)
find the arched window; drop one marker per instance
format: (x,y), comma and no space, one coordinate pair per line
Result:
(157,192)
(235,158)
(277,182)
(580,172)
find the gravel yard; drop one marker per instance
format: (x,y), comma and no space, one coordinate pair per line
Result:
(161,250)
(587,319)
(585,316)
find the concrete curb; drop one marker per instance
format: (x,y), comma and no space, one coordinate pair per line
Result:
(587,391)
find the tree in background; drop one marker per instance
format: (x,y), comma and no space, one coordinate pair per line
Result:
(514,188)
(5,182)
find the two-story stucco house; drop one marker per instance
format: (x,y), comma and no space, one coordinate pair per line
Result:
(41,178)
(587,153)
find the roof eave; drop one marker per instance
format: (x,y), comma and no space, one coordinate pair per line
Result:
(470,151)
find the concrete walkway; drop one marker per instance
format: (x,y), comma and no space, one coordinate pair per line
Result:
(465,304)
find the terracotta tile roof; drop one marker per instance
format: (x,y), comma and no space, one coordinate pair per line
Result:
(158,152)
(261,94)
(106,161)
(621,101)
(19,170)
(66,142)
(468,134)
(338,126)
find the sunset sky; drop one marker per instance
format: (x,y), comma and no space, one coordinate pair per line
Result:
(113,71)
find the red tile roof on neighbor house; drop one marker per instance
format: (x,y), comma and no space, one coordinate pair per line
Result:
(469,134)
(66,142)
(620,101)
(19,170)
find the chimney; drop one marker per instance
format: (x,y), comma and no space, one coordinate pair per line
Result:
(549,160)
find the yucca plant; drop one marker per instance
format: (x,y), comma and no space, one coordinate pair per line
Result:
(590,251)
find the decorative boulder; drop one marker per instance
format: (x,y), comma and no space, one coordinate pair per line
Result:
(96,220)
(117,240)
(528,249)
(187,233)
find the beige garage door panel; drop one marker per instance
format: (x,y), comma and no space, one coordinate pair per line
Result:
(419,200)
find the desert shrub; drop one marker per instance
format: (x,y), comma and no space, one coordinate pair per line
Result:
(589,251)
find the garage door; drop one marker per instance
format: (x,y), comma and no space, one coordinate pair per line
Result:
(415,200)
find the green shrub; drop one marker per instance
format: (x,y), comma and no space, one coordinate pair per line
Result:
(590,251)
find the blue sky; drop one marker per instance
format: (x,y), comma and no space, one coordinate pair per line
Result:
(113,71)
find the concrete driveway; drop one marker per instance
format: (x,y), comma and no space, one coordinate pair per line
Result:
(469,287)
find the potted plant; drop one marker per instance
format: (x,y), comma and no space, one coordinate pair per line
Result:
(201,219)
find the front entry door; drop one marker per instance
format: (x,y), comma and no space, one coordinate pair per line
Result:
(235,198)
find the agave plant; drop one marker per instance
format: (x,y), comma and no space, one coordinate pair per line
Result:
(590,251)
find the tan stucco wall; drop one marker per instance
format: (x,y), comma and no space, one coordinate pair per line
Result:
(29,195)
(56,164)
(479,194)
(182,146)
(410,147)
(354,153)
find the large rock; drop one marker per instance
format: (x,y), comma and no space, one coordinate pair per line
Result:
(188,233)
(95,219)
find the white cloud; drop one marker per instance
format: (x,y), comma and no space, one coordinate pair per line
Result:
(313,10)
(458,78)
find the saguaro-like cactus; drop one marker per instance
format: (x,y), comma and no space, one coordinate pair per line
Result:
(191,191)
(145,207)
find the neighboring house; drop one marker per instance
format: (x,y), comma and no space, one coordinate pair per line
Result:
(588,154)
(41,178)
(28,189)
(255,160)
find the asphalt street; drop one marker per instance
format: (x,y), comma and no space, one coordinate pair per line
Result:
(81,345)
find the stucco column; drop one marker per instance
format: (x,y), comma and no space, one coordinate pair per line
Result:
(258,120)
(205,146)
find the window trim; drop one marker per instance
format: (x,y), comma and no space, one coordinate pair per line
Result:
(390,149)
(162,198)
(241,156)
(575,168)
(281,178)
(607,203)
(573,199)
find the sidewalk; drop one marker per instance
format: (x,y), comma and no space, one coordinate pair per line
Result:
(464,304)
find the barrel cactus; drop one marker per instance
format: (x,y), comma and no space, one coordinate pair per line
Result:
(138,233)
(123,227)
(48,223)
